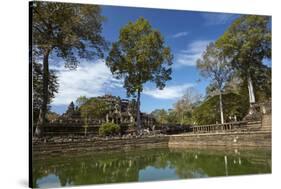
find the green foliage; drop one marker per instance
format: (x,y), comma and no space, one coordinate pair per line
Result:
(215,66)
(140,56)
(94,108)
(208,111)
(261,82)
(37,86)
(184,106)
(246,43)
(160,115)
(81,100)
(107,129)
(232,85)
(68,29)
(172,116)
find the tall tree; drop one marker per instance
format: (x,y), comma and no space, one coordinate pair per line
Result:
(184,106)
(247,42)
(139,56)
(214,65)
(68,31)
(37,86)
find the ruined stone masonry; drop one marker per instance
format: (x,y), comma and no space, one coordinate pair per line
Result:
(121,112)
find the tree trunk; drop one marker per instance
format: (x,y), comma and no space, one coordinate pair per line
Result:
(138,111)
(42,116)
(221,108)
(251,91)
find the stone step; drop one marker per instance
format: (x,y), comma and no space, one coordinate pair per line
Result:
(265,128)
(266,123)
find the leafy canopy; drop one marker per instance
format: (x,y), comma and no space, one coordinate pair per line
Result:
(184,106)
(94,108)
(160,115)
(140,56)
(70,30)
(81,100)
(208,111)
(214,65)
(247,42)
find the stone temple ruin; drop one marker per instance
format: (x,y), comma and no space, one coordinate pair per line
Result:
(121,111)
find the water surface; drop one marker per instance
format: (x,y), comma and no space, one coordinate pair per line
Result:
(146,165)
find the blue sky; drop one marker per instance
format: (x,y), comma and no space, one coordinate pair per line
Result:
(187,33)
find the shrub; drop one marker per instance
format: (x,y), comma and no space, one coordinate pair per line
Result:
(107,129)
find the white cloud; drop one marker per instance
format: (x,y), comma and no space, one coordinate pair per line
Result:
(188,56)
(89,79)
(217,18)
(169,92)
(180,34)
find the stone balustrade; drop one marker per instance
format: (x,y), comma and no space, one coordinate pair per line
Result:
(226,127)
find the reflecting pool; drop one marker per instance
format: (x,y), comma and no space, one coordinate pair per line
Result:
(56,170)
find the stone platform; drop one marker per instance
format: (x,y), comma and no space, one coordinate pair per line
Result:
(234,139)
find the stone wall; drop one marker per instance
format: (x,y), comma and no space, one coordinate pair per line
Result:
(75,144)
(63,144)
(251,139)
(253,134)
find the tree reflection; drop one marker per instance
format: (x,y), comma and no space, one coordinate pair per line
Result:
(114,167)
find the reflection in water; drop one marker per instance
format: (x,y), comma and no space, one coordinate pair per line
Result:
(225,164)
(151,173)
(146,165)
